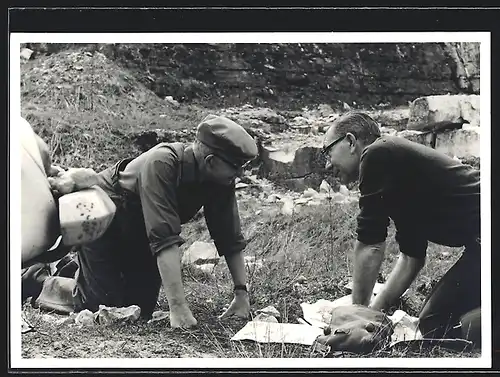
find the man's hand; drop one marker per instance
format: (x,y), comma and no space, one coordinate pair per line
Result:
(55,171)
(181,317)
(169,265)
(240,306)
(402,276)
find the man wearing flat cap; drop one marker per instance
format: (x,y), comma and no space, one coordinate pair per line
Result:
(154,194)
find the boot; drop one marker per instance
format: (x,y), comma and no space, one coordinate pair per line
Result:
(32,279)
(57,295)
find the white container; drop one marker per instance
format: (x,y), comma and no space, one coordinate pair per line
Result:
(85,215)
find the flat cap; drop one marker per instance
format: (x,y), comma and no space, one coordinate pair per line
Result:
(227,137)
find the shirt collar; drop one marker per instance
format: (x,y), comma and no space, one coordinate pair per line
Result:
(189,166)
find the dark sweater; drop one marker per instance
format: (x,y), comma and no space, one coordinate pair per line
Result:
(428,195)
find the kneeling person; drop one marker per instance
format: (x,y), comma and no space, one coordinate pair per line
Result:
(154,194)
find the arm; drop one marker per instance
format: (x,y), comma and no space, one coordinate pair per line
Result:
(367,262)
(169,265)
(236,265)
(240,306)
(373,220)
(404,273)
(411,260)
(223,222)
(157,190)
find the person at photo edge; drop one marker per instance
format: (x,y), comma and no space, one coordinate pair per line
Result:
(430,197)
(38,206)
(154,194)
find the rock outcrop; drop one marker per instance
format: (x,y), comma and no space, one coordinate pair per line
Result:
(294,75)
(461,143)
(200,253)
(436,112)
(294,161)
(450,124)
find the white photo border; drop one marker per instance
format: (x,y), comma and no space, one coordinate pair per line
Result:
(277,37)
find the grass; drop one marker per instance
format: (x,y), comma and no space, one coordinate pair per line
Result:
(292,246)
(88,109)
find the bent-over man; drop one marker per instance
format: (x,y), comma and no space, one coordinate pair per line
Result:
(431,198)
(154,194)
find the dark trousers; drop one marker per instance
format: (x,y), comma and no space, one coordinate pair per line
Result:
(119,269)
(453,308)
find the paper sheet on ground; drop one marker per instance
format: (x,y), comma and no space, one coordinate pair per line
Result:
(270,332)
(318,315)
(405,327)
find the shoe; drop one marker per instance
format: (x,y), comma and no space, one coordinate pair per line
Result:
(57,295)
(32,279)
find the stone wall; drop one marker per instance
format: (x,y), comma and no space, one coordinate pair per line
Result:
(291,76)
(294,75)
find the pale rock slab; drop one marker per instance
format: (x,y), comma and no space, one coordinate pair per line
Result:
(436,112)
(200,253)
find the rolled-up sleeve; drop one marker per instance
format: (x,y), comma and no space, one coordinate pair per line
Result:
(410,241)
(157,190)
(223,222)
(374,184)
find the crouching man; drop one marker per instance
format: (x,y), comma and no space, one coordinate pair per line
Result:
(430,197)
(154,194)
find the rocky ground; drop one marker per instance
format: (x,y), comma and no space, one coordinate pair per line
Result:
(299,220)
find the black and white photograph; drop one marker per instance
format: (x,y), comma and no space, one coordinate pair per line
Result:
(250,199)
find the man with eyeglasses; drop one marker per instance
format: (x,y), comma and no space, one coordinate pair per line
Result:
(154,194)
(431,198)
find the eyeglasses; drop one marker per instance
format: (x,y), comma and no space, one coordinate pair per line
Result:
(326,148)
(232,164)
